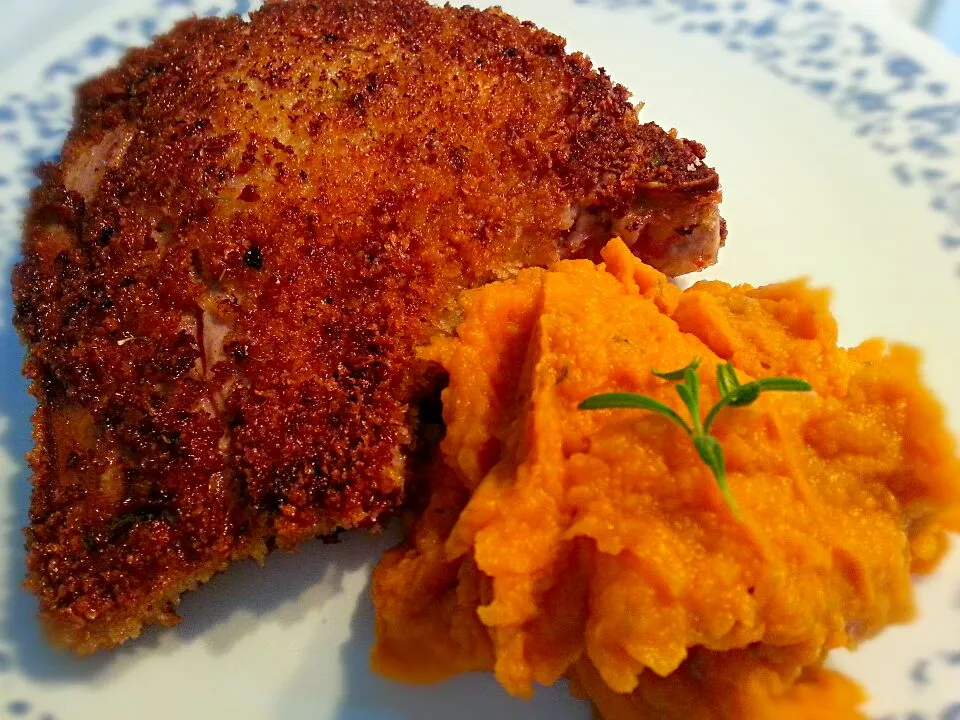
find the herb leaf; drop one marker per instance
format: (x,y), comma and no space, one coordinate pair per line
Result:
(788,384)
(744,395)
(680,374)
(712,454)
(732,393)
(607,401)
(687,395)
(692,381)
(726,379)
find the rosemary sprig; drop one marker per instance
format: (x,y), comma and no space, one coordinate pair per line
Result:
(732,394)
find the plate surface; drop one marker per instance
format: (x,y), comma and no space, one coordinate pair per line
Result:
(837,138)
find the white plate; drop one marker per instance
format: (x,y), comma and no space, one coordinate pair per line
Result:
(838,143)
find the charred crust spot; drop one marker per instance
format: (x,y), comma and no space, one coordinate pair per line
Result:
(238,350)
(198,126)
(249,194)
(253,258)
(358,102)
(52,386)
(170,439)
(277,145)
(106,234)
(552,49)
(148,511)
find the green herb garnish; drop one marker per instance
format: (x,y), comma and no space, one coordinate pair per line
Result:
(732,393)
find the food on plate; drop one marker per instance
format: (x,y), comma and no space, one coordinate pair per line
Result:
(730,684)
(598,544)
(730,393)
(251,226)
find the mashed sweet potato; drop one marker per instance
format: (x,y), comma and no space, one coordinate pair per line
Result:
(597,545)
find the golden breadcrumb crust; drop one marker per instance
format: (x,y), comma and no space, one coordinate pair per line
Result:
(251,227)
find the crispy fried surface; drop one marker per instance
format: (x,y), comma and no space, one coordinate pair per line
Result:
(251,227)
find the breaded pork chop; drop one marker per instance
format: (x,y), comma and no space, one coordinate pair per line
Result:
(252,226)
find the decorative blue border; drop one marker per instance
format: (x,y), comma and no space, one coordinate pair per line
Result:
(33,125)
(889,99)
(32,129)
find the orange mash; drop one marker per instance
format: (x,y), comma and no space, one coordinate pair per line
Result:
(596,544)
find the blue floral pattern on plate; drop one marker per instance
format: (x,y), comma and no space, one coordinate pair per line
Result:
(33,125)
(890,100)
